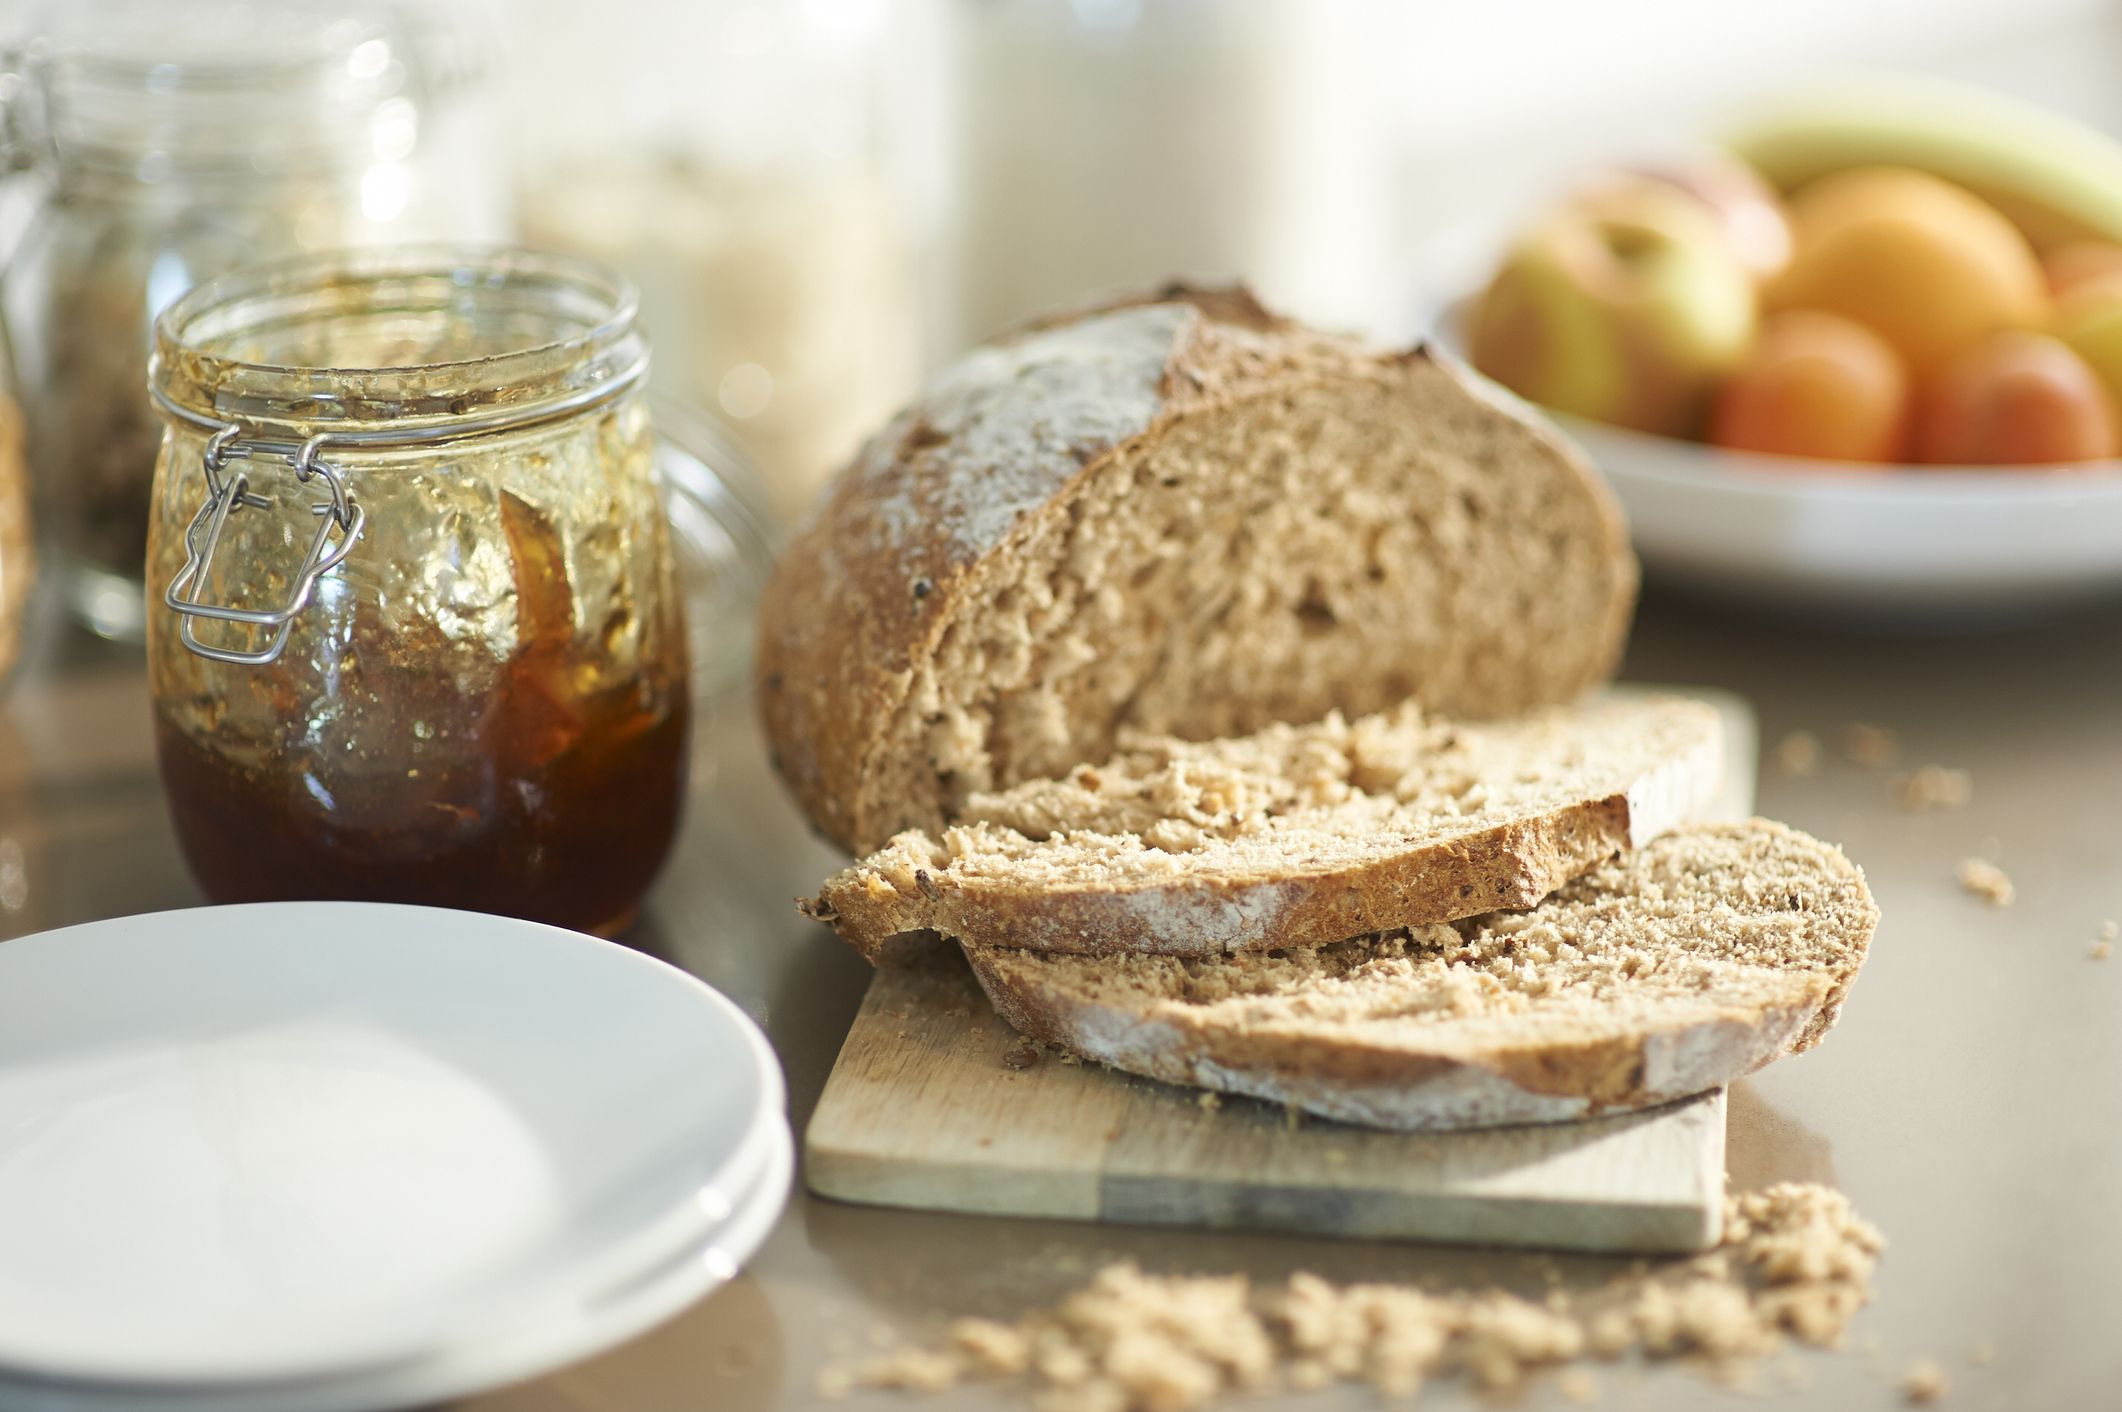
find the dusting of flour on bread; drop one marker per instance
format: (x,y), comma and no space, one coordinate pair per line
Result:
(1027,413)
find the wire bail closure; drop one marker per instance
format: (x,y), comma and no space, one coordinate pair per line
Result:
(226,497)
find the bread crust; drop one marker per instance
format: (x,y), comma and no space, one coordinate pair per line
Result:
(1435,1080)
(901,545)
(1205,912)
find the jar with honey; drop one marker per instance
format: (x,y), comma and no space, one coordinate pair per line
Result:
(415,633)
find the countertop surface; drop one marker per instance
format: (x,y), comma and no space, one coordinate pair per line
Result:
(1970,1102)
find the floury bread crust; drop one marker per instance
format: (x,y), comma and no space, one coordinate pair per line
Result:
(1675,969)
(1292,836)
(1184,516)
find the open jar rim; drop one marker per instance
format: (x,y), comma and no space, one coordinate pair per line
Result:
(454,338)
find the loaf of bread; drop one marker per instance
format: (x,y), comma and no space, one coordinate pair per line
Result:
(1677,968)
(1291,836)
(1220,687)
(1182,516)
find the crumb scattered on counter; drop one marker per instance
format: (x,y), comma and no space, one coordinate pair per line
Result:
(1924,1383)
(913,1370)
(1798,753)
(1795,1263)
(1022,1057)
(1987,881)
(2108,931)
(1209,1100)
(2101,950)
(1933,787)
(1873,747)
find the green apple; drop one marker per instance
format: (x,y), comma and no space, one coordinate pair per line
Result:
(1625,305)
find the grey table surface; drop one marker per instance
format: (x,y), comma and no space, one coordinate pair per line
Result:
(1970,1101)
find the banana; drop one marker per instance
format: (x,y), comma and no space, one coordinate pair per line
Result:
(2057,179)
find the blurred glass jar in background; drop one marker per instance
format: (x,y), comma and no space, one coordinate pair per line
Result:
(417,632)
(1101,144)
(745,163)
(161,142)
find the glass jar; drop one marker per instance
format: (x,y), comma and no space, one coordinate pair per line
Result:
(161,142)
(768,205)
(417,634)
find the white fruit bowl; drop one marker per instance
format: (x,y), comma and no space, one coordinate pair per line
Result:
(1928,547)
(1911,544)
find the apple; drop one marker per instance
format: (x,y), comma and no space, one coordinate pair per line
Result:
(1624,305)
(1748,209)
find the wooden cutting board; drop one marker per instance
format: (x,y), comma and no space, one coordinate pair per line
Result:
(936,1104)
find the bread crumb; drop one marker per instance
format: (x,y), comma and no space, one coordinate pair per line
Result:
(1796,1263)
(2101,950)
(991,1347)
(2108,931)
(1209,1100)
(1923,1383)
(1798,753)
(915,1370)
(1933,787)
(1021,1057)
(1987,881)
(1873,747)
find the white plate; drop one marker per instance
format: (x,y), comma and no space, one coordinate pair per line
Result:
(509,1356)
(284,1142)
(1944,546)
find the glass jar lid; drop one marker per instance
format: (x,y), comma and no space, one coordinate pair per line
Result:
(399,344)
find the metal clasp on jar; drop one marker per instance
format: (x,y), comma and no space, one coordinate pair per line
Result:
(231,494)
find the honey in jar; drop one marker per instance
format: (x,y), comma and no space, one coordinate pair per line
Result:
(416,633)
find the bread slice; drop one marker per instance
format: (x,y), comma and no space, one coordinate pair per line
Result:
(1182,515)
(1674,969)
(1293,835)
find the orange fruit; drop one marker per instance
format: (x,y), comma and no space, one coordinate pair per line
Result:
(1816,385)
(1925,264)
(2015,399)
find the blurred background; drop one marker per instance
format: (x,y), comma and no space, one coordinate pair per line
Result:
(822,197)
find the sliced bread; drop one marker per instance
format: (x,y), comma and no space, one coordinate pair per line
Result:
(1182,515)
(1671,970)
(1291,836)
